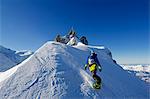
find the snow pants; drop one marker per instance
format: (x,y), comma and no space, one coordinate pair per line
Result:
(96,77)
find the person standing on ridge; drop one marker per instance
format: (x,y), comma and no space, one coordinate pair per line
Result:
(94,65)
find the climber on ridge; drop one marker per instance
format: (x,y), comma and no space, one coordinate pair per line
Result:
(94,65)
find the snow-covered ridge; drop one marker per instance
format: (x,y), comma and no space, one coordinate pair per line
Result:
(10,58)
(56,71)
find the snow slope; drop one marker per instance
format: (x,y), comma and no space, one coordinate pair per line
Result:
(55,71)
(10,58)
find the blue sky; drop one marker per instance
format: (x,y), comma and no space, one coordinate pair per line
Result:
(120,25)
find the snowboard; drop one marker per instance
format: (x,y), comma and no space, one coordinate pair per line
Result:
(96,86)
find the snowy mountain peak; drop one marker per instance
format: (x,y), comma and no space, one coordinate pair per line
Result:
(55,71)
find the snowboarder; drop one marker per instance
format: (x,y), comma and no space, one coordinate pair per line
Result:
(94,65)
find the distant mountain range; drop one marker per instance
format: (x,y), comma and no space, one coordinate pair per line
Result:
(10,58)
(140,70)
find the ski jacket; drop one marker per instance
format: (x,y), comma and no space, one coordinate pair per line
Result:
(94,57)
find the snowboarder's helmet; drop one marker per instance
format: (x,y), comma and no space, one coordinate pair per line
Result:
(92,52)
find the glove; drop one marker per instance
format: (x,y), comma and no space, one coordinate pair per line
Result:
(85,66)
(100,69)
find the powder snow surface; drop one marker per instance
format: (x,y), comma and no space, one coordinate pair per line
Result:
(56,71)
